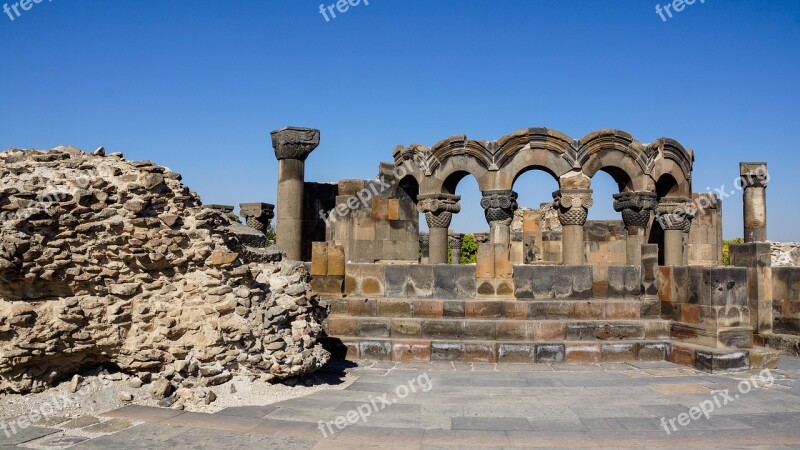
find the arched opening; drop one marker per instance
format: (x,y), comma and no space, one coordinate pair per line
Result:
(535,231)
(665,186)
(410,187)
(605,183)
(471,218)
(605,235)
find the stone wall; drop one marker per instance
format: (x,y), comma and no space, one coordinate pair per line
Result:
(785,254)
(708,306)
(379,222)
(704,242)
(105,261)
(528,282)
(786,299)
(316,197)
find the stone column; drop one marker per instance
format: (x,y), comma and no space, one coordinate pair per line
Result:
(635,208)
(499,206)
(424,247)
(754,178)
(292,147)
(674,214)
(438,209)
(573,209)
(455,248)
(257,215)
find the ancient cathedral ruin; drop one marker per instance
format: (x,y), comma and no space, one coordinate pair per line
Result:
(548,285)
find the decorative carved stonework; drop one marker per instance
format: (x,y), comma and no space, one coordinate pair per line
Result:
(257,215)
(753,175)
(635,207)
(499,206)
(455,241)
(675,213)
(294,142)
(572,205)
(438,208)
(424,242)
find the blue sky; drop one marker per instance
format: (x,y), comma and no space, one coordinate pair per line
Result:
(197,86)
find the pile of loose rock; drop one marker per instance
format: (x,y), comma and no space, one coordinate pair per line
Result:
(785,253)
(115,263)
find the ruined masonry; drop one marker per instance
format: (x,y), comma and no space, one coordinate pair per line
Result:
(548,286)
(115,263)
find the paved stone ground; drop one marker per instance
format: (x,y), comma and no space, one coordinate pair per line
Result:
(473,406)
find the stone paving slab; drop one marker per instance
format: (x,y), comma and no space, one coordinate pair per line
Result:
(254,412)
(9,436)
(616,405)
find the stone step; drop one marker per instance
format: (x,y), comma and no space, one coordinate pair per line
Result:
(489,329)
(610,309)
(491,351)
(714,360)
(788,344)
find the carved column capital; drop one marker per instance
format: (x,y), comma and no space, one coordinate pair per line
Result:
(753,174)
(675,213)
(257,215)
(499,206)
(635,207)
(455,241)
(294,142)
(424,241)
(572,205)
(438,208)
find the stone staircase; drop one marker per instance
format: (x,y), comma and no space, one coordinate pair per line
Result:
(514,331)
(497,330)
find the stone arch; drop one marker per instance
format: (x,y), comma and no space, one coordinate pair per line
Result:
(616,153)
(668,157)
(533,149)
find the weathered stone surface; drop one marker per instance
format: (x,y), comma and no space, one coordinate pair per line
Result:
(107,261)
(453,281)
(553,282)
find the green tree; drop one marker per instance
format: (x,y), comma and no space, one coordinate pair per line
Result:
(726,251)
(469,249)
(270,233)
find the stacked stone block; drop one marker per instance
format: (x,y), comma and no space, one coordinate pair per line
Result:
(377,224)
(704,245)
(494,270)
(708,306)
(756,258)
(327,268)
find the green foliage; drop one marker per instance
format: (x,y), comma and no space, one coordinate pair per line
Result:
(469,249)
(270,233)
(726,252)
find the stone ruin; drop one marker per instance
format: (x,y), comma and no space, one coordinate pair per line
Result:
(115,263)
(548,286)
(110,262)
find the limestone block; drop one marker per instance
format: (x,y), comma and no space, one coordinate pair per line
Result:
(319,258)
(485,267)
(502,261)
(393,212)
(336,263)
(380,208)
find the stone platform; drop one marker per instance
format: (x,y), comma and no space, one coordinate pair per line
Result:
(514,331)
(475,405)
